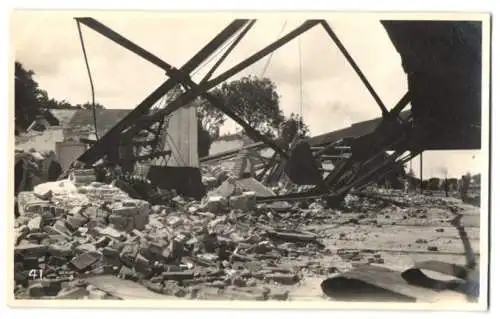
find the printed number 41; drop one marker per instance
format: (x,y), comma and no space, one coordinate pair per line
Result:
(36,274)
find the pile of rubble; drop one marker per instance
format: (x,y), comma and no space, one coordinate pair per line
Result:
(76,229)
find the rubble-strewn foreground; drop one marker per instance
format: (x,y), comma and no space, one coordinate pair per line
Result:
(80,239)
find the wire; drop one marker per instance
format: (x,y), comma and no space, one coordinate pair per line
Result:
(215,54)
(271,55)
(90,78)
(301,93)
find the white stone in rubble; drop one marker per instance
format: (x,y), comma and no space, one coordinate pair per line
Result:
(245,201)
(29,204)
(214,204)
(35,223)
(62,187)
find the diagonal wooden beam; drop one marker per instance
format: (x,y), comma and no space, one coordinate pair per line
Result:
(356,68)
(201,89)
(108,140)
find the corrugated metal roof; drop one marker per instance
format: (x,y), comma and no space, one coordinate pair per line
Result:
(355,130)
(64,116)
(105,118)
(82,121)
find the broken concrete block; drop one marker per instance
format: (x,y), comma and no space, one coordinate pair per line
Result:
(292,237)
(110,252)
(210,182)
(140,221)
(174,221)
(285,279)
(77,210)
(60,249)
(90,212)
(85,248)
(85,260)
(82,176)
(76,221)
(21,232)
(43,191)
(124,211)
(111,232)
(60,226)
(157,247)
(35,224)
(31,205)
(44,288)
(142,265)
(214,204)
(119,222)
(246,201)
(57,261)
(129,254)
(111,256)
(83,172)
(30,250)
(102,242)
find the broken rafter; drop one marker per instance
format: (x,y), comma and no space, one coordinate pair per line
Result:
(228,51)
(100,148)
(356,68)
(184,79)
(197,90)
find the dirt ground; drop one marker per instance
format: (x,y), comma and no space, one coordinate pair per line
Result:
(398,237)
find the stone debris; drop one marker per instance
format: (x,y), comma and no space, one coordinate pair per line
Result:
(224,247)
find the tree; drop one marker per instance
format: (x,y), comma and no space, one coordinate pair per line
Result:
(28,97)
(252,98)
(210,118)
(89,106)
(295,125)
(476,179)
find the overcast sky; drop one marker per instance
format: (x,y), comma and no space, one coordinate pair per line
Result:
(333,95)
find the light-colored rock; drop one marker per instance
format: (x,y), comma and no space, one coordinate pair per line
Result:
(246,201)
(35,224)
(96,294)
(214,204)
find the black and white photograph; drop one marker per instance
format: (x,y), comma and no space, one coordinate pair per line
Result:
(249,160)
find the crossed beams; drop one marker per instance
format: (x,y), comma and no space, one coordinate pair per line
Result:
(132,123)
(139,119)
(101,147)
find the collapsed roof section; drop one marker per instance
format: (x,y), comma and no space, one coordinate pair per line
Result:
(441,58)
(443,62)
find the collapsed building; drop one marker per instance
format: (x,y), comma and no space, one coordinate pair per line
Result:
(137,202)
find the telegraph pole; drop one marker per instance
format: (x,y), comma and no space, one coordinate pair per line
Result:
(421,173)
